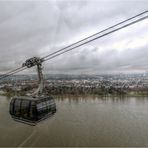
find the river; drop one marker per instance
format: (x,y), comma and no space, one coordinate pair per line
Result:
(84,121)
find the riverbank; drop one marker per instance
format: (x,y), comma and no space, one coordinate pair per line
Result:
(76,95)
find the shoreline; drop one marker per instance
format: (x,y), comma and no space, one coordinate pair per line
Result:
(84,95)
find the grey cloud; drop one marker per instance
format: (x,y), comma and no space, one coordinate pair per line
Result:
(28,27)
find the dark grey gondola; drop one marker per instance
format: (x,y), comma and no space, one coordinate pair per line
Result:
(32,110)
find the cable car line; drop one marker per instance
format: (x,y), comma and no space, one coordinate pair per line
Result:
(136,21)
(2,76)
(61,51)
(13,72)
(97,33)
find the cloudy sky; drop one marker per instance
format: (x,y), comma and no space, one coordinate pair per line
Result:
(37,28)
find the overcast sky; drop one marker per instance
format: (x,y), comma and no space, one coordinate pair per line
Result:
(37,28)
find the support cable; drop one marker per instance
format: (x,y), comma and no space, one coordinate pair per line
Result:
(97,33)
(84,41)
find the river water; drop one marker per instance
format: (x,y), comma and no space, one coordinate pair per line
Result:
(87,121)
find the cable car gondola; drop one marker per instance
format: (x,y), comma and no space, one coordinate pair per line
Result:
(34,108)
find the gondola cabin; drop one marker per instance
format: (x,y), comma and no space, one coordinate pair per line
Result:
(32,110)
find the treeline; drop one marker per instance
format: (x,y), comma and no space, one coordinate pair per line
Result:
(79,90)
(85,90)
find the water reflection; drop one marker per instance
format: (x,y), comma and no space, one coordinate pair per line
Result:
(92,98)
